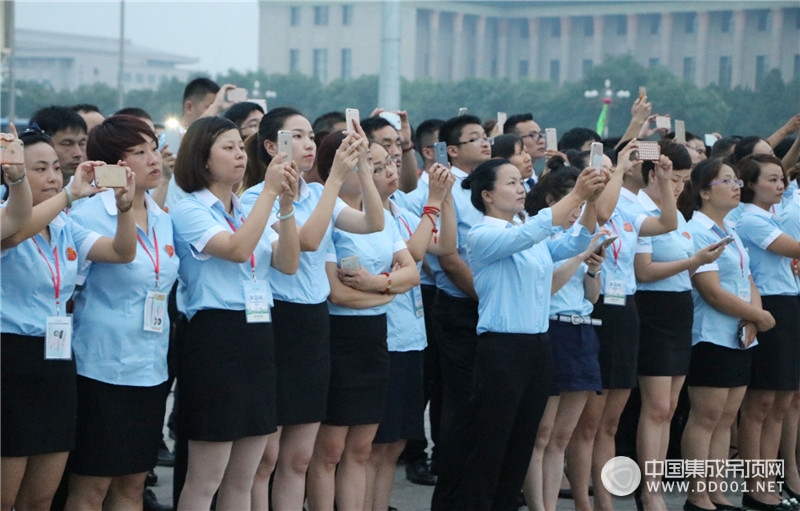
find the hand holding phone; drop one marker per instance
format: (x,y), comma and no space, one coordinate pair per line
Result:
(440,152)
(552,140)
(350,263)
(596,156)
(663,122)
(110,176)
(285,144)
(237,95)
(723,242)
(352,119)
(605,243)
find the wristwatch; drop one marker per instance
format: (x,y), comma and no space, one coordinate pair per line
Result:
(594,275)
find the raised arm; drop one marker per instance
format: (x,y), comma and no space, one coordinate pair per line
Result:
(668,219)
(122,247)
(286,250)
(640,112)
(439,198)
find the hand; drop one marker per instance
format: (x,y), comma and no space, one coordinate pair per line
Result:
(765,322)
(549,153)
(750,330)
(220,100)
(167,162)
(586,254)
(624,162)
(440,182)
(289,186)
(590,183)
(662,131)
(709,254)
(405,128)
(273,179)
(13,171)
(359,279)
(641,108)
(663,170)
(124,196)
(346,157)
(792,125)
(81,184)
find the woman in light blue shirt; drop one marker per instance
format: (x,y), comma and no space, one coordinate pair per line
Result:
(725,301)
(512,264)
(226,372)
(663,266)
(300,313)
(122,333)
(40,271)
(365,271)
(776,359)
(17,209)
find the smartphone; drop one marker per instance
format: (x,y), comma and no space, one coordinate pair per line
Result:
(649,150)
(285,144)
(440,150)
(680,131)
(350,263)
(162,139)
(110,176)
(642,92)
(552,139)
(463,110)
(662,121)
(727,240)
(172,136)
(237,95)
(710,139)
(596,155)
(605,243)
(742,337)
(502,117)
(353,118)
(12,152)
(393,119)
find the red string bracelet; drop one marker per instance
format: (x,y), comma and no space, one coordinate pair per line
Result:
(432,213)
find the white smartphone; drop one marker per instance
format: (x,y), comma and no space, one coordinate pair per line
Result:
(237,95)
(353,118)
(440,151)
(393,119)
(596,156)
(662,121)
(285,143)
(350,263)
(680,131)
(463,110)
(552,138)
(502,117)
(110,176)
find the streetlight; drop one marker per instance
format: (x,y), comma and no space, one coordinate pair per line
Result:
(608,93)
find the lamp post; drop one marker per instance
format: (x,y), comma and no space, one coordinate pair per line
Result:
(608,93)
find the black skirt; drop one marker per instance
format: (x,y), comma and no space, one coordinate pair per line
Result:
(302,360)
(776,358)
(619,343)
(37,399)
(719,366)
(405,403)
(359,370)
(665,330)
(119,428)
(226,377)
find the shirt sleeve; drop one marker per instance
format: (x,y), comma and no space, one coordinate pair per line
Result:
(758,230)
(488,243)
(572,243)
(195,224)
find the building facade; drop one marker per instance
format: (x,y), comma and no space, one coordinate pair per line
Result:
(730,43)
(67,61)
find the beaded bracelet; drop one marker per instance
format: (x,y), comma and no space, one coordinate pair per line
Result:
(432,213)
(126,209)
(388,283)
(18,181)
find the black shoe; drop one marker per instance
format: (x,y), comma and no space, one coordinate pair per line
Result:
(689,506)
(727,507)
(166,458)
(151,479)
(420,473)
(790,494)
(756,505)
(151,502)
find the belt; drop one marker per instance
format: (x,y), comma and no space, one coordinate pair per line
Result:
(575,319)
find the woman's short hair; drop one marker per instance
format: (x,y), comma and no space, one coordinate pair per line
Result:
(483,178)
(191,165)
(239,112)
(552,186)
(701,178)
(749,169)
(111,139)
(677,154)
(505,146)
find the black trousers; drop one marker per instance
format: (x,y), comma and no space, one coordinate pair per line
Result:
(512,384)
(455,320)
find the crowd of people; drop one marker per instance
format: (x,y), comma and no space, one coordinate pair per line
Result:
(309,288)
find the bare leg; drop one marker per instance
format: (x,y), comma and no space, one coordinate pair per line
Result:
(87,492)
(42,477)
(532,487)
(351,478)
(382,465)
(125,492)
(605,445)
(206,467)
(259,497)
(297,446)
(771,431)
(579,451)
(12,470)
(328,450)
(569,411)
(755,408)
(788,448)
(237,483)
(721,438)
(656,412)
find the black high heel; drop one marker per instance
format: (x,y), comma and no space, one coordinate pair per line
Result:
(756,505)
(690,506)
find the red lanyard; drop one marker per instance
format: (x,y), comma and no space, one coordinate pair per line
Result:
(54,276)
(406,225)
(722,235)
(252,254)
(615,250)
(156,262)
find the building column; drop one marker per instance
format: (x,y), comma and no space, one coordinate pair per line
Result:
(459,72)
(597,40)
(666,37)
(737,61)
(564,57)
(632,34)
(533,48)
(480,47)
(700,55)
(433,45)
(777,32)
(502,48)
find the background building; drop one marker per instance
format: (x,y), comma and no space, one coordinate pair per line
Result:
(730,43)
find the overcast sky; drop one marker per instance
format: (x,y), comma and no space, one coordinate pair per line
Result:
(223,35)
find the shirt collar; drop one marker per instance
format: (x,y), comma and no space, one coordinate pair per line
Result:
(499,222)
(460,174)
(646,202)
(304,190)
(110,203)
(703,219)
(208,199)
(755,210)
(394,209)
(627,194)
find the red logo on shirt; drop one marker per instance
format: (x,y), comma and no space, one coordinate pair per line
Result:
(170,250)
(71,254)
(688,236)
(628,227)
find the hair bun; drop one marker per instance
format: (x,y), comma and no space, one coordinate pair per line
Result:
(555,163)
(465,184)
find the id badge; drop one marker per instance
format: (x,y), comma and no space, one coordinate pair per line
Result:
(744,290)
(256,302)
(416,292)
(58,338)
(155,310)
(615,292)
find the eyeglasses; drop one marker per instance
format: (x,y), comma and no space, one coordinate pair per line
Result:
(479,140)
(535,135)
(380,169)
(737,183)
